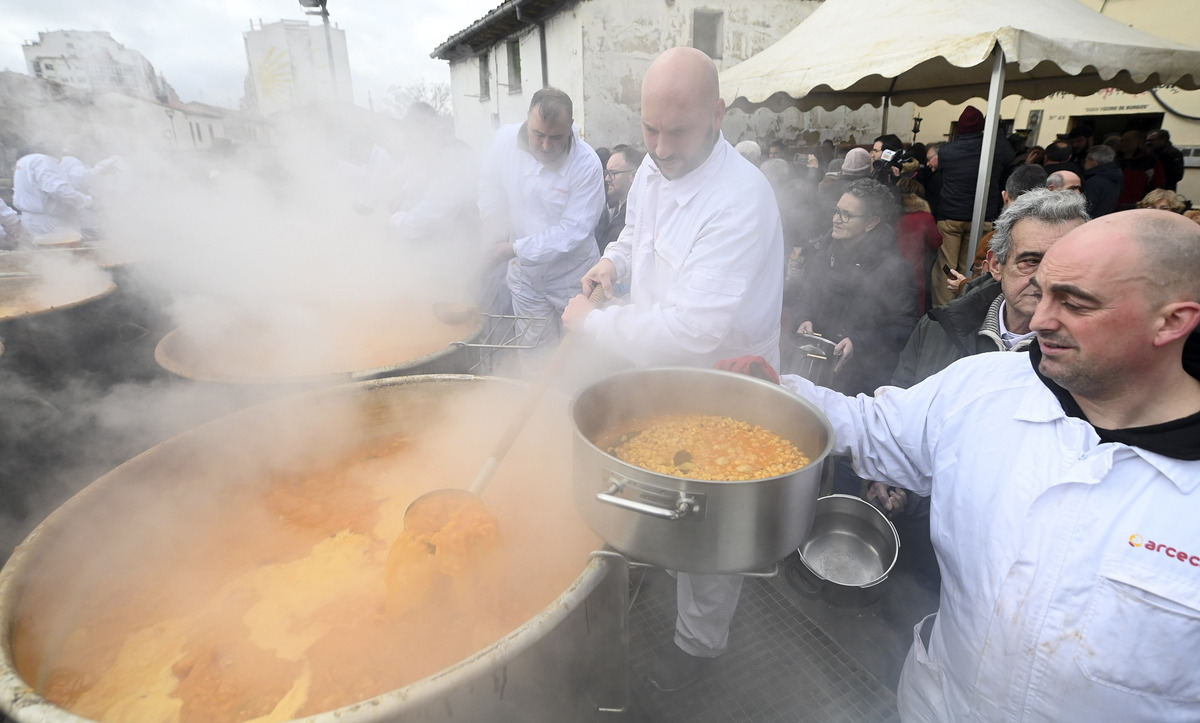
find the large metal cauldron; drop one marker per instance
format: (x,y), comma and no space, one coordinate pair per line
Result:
(172,354)
(566,663)
(686,524)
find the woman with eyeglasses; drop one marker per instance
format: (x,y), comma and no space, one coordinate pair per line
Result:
(856,289)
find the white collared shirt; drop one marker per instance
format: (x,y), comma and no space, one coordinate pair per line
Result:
(1070,568)
(704,255)
(551,213)
(1008,338)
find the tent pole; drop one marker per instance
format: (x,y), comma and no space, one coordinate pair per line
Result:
(990,131)
(887,104)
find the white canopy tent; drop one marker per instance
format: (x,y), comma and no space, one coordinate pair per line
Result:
(878,52)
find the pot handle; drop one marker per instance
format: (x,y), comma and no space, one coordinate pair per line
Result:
(802,582)
(684,505)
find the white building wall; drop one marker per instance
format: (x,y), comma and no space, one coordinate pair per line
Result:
(621,37)
(473,116)
(566,62)
(289,65)
(598,51)
(92,61)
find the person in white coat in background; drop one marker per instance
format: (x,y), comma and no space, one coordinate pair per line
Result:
(541,192)
(1065,491)
(703,251)
(11,233)
(50,206)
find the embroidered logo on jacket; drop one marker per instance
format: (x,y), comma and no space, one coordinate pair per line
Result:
(1169,551)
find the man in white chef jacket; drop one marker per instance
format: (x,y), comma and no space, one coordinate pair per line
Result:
(1065,492)
(50,206)
(703,251)
(541,190)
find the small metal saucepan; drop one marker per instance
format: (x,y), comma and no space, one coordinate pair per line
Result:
(848,554)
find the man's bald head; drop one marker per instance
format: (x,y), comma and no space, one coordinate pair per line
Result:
(682,110)
(1119,297)
(1169,248)
(1064,181)
(684,73)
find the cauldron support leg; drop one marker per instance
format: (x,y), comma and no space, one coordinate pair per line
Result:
(611,688)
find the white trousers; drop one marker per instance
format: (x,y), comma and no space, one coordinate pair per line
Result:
(706,604)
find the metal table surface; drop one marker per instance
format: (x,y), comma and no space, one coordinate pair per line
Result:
(780,666)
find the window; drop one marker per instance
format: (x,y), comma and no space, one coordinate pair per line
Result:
(485,77)
(708,32)
(514,66)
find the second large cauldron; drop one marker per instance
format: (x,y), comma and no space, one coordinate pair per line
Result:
(314,347)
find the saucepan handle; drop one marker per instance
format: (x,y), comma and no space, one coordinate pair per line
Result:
(656,502)
(805,583)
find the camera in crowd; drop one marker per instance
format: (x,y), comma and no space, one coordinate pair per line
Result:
(900,160)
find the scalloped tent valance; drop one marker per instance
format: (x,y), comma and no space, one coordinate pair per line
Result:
(857,52)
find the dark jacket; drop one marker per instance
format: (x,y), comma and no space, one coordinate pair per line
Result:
(866,292)
(1142,173)
(947,334)
(959,163)
(1102,187)
(1171,159)
(607,231)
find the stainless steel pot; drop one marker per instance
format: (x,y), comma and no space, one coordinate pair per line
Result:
(848,554)
(695,525)
(810,356)
(568,662)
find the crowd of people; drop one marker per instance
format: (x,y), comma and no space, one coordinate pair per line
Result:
(1041,481)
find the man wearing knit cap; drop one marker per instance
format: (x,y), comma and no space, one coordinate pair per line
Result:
(959,163)
(857,163)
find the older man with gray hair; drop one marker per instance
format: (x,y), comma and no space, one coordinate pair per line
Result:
(995,315)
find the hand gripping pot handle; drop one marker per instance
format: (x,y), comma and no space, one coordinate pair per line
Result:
(654,501)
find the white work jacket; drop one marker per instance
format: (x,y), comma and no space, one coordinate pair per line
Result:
(9,220)
(1070,568)
(704,255)
(45,197)
(551,214)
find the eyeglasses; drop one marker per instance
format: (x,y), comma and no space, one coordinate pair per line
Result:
(844,216)
(614,174)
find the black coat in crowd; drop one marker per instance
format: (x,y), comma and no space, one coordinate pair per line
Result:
(959,163)
(865,292)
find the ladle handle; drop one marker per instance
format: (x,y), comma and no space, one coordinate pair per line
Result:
(532,397)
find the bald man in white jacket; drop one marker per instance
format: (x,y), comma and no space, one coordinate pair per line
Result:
(703,250)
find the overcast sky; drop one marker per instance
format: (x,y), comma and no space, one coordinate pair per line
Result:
(197,44)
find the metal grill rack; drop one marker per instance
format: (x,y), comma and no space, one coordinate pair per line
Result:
(503,336)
